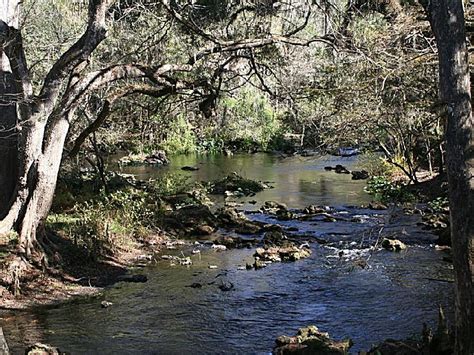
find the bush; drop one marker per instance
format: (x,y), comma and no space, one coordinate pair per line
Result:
(170,184)
(108,224)
(105,224)
(439,205)
(250,119)
(387,191)
(180,138)
(376,165)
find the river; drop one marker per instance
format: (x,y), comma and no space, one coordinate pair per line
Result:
(390,298)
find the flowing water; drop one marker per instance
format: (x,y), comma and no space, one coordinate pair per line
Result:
(391,297)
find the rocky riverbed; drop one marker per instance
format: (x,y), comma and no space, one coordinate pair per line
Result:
(252,268)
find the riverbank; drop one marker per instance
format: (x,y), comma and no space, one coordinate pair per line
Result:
(73,275)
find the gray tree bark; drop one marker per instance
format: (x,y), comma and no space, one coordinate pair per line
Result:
(3,344)
(8,118)
(32,157)
(447,22)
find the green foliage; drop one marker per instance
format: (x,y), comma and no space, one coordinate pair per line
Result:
(211,144)
(107,224)
(369,30)
(388,191)
(439,205)
(249,118)
(180,138)
(375,165)
(50,28)
(170,184)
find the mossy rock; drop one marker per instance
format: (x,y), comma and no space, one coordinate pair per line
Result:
(236,183)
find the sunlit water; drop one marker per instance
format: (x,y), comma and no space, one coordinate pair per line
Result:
(392,297)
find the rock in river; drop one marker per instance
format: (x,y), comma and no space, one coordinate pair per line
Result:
(338,169)
(157,158)
(231,218)
(42,349)
(236,183)
(189,168)
(191,219)
(273,207)
(310,340)
(314,209)
(132,278)
(277,254)
(393,245)
(360,175)
(106,304)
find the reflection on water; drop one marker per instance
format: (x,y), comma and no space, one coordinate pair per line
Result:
(392,298)
(298,181)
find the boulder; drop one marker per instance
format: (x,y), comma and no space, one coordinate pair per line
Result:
(314,209)
(360,175)
(339,169)
(204,229)
(393,244)
(236,184)
(285,215)
(157,158)
(377,206)
(106,304)
(258,264)
(226,286)
(42,349)
(310,340)
(190,168)
(235,242)
(132,278)
(276,238)
(193,219)
(232,219)
(278,254)
(273,207)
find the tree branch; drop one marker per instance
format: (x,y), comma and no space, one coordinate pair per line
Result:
(106,109)
(78,53)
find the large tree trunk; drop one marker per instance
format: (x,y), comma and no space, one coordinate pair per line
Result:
(33,157)
(447,22)
(40,159)
(8,136)
(8,119)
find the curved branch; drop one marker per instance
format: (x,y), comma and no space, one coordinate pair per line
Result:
(301,27)
(106,109)
(190,26)
(12,43)
(78,53)
(256,43)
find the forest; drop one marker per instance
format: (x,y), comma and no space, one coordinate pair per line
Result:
(206,176)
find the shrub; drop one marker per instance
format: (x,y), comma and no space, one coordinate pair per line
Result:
(249,119)
(387,191)
(180,138)
(376,165)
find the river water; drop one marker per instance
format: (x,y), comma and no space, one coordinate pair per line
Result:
(391,297)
